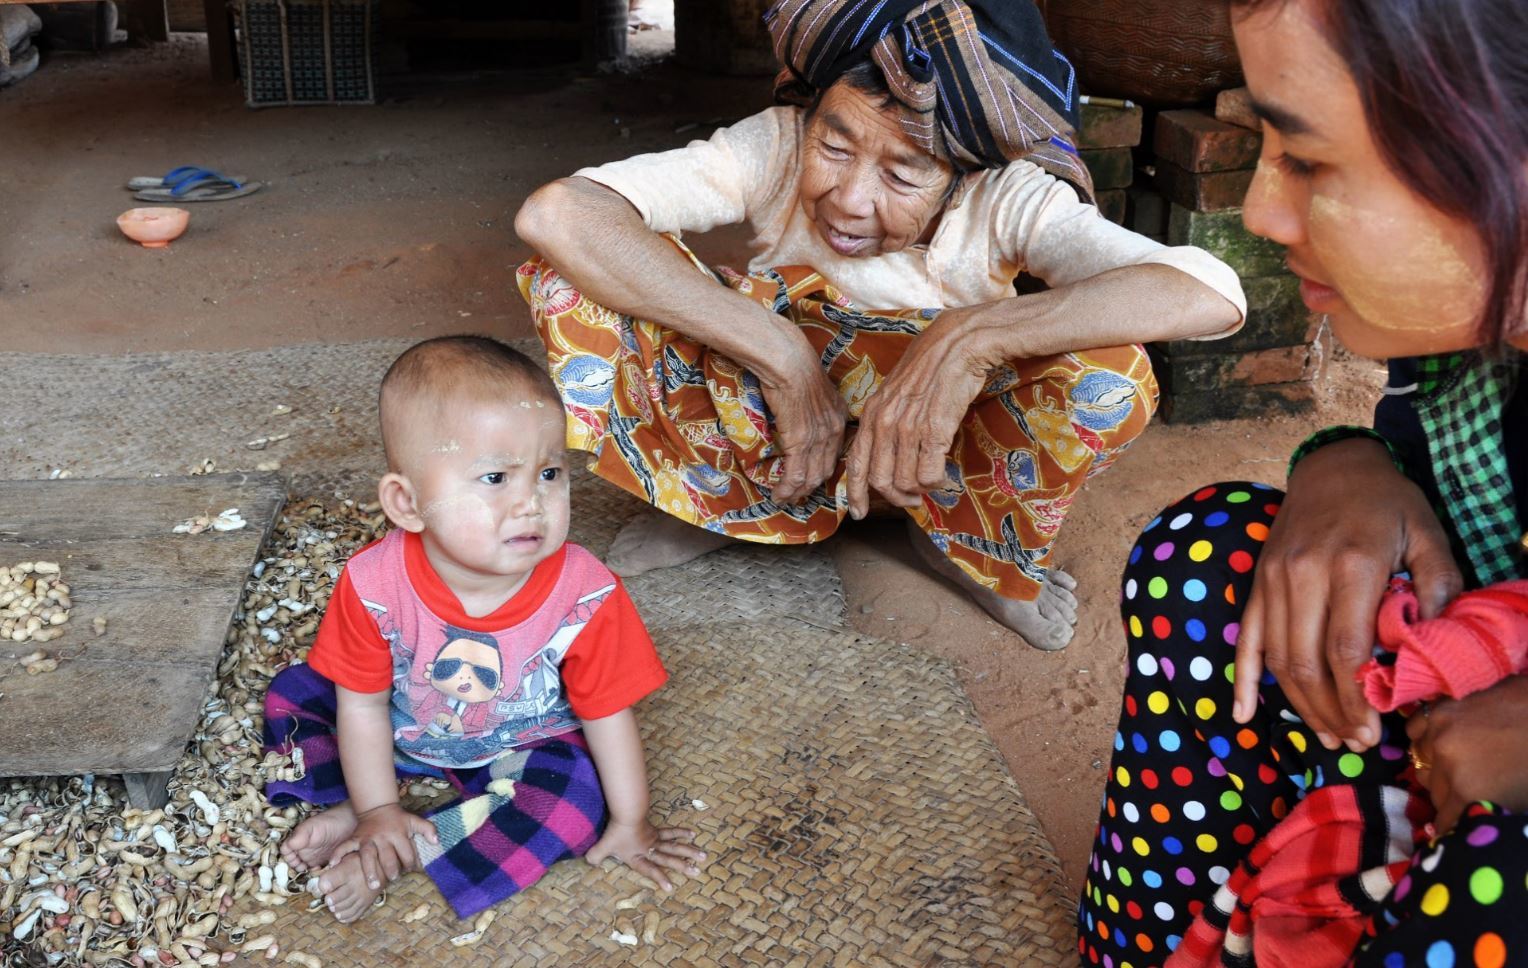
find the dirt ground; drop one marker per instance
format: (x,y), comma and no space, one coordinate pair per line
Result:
(397,220)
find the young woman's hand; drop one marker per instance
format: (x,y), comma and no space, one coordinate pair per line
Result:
(384,839)
(648,850)
(1472,749)
(1350,521)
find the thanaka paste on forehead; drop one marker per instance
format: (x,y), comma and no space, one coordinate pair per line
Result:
(498,460)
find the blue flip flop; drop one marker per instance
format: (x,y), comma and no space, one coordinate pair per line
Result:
(191,184)
(174,177)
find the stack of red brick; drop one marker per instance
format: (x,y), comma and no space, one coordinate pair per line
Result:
(1109,132)
(1202,169)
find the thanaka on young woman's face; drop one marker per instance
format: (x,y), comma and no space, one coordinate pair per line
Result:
(1395,275)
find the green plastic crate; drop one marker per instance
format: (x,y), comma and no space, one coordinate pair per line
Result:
(308,51)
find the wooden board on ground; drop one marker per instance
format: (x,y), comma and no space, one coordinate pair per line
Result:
(127,701)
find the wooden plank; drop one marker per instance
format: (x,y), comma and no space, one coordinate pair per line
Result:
(116,563)
(63,514)
(128,701)
(220,47)
(146,20)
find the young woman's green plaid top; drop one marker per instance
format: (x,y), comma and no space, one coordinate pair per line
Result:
(1465,405)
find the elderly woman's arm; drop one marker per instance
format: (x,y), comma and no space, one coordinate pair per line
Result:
(597,239)
(909,423)
(1131,304)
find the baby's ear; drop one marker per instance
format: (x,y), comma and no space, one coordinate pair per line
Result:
(399,503)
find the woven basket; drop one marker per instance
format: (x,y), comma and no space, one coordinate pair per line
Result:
(308,51)
(1165,53)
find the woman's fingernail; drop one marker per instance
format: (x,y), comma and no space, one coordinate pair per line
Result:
(1237,713)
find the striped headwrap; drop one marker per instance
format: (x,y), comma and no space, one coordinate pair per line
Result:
(979,82)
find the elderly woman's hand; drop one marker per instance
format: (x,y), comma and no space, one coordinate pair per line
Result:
(809,418)
(910,421)
(1472,749)
(1351,520)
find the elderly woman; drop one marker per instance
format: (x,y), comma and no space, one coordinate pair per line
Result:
(923,158)
(1275,817)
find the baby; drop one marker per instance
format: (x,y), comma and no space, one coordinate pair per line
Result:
(472,643)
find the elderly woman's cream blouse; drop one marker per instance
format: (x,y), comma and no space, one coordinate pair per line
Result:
(999,223)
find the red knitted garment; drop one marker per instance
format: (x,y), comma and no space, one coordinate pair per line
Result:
(1289,900)
(1479,640)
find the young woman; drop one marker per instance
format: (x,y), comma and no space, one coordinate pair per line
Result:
(1395,170)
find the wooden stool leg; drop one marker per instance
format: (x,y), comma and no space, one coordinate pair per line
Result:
(147,791)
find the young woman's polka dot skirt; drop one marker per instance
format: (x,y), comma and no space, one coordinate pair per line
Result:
(1190,790)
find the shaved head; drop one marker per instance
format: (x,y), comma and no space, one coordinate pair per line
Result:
(431,382)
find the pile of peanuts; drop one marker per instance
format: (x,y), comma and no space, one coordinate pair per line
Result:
(87,879)
(34,602)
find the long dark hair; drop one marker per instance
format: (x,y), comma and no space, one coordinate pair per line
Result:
(1444,85)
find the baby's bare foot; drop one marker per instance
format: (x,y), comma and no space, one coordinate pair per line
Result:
(313,842)
(655,540)
(345,891)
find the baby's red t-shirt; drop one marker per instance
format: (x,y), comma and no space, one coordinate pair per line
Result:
(374,638)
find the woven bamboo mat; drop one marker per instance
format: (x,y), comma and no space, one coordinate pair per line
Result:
(858,815)
(168,413)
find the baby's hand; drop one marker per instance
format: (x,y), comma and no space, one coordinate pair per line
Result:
(648,850)
(384,839)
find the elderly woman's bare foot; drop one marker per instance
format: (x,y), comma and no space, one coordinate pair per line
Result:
(656,540)
(314,840)
(345,891)
(1045,623)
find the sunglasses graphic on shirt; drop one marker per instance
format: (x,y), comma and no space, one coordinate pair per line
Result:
(446,668)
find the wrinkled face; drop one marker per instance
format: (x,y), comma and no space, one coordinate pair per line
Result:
(466,670)
(865,185)
(1396,276)
(491,486)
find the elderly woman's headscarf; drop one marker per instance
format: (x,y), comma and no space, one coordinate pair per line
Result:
(979,82)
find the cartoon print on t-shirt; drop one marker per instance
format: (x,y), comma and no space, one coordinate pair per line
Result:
(463,697)
(402,654)
(540,688)
(453,696)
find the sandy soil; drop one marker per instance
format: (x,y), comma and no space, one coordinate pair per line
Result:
(396,220)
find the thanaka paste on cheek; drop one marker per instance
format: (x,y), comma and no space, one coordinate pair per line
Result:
(1418,284)
(463,505)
